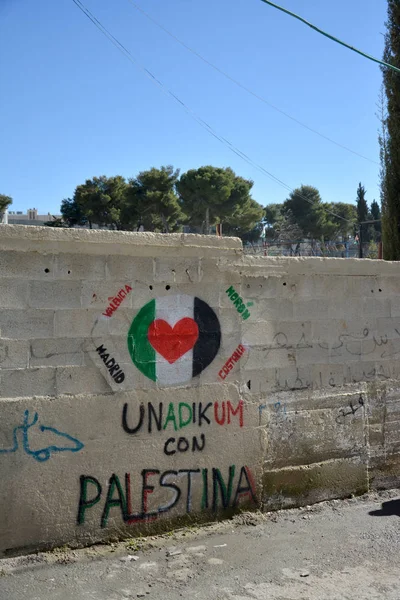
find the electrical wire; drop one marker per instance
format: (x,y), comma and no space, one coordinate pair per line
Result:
(188,110)
(332,37)
(245,88)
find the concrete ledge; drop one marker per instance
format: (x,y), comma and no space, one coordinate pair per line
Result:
(310,265)
(384,472)
(298,486)
(95,241)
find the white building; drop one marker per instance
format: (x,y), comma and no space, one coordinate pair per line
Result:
(30,218)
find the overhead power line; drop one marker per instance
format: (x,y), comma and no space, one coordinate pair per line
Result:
(332,37)
(246,89)
(188,110)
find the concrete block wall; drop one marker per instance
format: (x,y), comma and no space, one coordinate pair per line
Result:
(148,380)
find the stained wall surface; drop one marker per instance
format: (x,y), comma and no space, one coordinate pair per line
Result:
(147,380)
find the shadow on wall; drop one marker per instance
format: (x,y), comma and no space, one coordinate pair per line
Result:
(390,508)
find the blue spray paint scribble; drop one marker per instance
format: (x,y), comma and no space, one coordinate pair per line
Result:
(43,454)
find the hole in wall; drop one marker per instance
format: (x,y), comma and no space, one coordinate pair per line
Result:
(69,272)
(284,283)
(150,287)
(380,289)
(47,270)
(167,287)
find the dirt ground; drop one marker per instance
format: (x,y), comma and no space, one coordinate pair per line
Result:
(337,550)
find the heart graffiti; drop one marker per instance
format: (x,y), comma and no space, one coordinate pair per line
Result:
(173,342)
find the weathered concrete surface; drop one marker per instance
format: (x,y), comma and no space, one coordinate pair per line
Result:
(332,551)
(148,379)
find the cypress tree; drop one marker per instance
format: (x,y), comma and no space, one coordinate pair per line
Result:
(390,138)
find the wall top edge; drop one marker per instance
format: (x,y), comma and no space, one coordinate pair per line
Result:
(29,233)
(310,265)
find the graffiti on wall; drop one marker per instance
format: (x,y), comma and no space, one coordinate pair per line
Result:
(223,494)
(178,417)
(116,301)
(239,303)
(228,366)
(174,338)
(43,454)
(170,340)
(113,367)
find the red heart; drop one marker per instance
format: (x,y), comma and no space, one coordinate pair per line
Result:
(173,342)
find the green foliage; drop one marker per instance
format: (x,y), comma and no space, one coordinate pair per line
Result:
(55,222)
(304,208)
(341,227)
(72,213)
(102,200)
(5,201)
(390,138)
(375,211)
(254,235)
(362,206)
(211,195)
(154,196)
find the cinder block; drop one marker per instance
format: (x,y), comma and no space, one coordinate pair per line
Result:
(377,307)
(121,321)
(258,382)
(359,287)
(310,309)
(395,306)
(74,323)
(81,380)
(384,471)
(26,265)
(313,355)
(80,266)
(177,270)
(99,294)
(260,334)
(329,286)
(14,354)
(56,352)
(13,293)
(343,308)
(130,269)
(309,436)
(26,324)
(260,287)
(387,328)
(293,286)
(300,486)
(294,378)
(327,376)
(55,294)
(21,383)
(219,271)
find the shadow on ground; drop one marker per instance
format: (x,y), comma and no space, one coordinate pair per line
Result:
(390,508)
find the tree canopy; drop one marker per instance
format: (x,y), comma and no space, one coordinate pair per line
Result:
(362,206)
(304,216)
(154,194)
(304,207)
(211,195)
(5,201)
(390,137)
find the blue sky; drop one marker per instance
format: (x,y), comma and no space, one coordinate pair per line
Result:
(73,107)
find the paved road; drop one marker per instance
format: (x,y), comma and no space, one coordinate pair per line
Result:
(340,550)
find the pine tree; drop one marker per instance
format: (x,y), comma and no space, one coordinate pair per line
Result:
(390,138)
(362,206)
